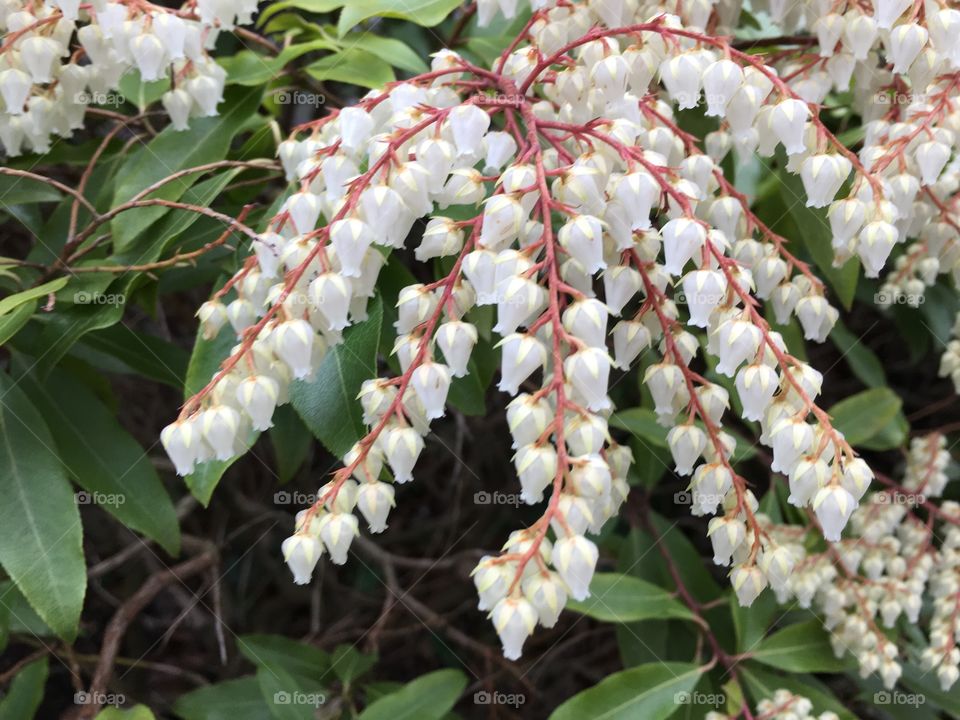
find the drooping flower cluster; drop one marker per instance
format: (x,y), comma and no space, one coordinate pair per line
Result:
(892,561)
(950,360)
(60,56)
(782,705)
(592,214)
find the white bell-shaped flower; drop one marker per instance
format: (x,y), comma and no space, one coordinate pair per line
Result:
(906,42)
(492,580)
(686,444)
(469,123)
(582,237)
(337,530)
(575,559)
(401,447)
(808,475)
(301,553)
(756,385)
(547,594)
(150,55)
(790,438)
(586,320)
(703,290)
(886,12)
(441,238)
(514,620)
(177,104)
(726,535)
(588,370)
(637,192)
(876,242)
(737,342)
(356,127)
(816,317)
(833,506)
(629,340)
(374,501)
(522,355)
(456,340)
(520,300)
(431,382)
(822,176)
(720,81)
(527,419)
(220,426)
(620,284)
(536,467)
(330,294)
(788,121)
(293,343)
(351,238)
(500,148)
(258,395)
(182,440)
(748,582)
(682,239)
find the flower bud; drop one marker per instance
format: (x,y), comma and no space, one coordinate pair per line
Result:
(514,620)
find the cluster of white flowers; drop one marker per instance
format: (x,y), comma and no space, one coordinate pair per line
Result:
(60,56)
(950,360)
(782,705)
(864,583)
(593,209)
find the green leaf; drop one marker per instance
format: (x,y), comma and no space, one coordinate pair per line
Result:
(11,302)
(642,423)
(348,663)
(390,50)
(104,458)
(422,12)
(274,652)
(140,93)
(287,697)
(622,598)
(26,691)
(861,359)
(41,541)
(204,363)
(16,190)
(207,140)
(762,684)
(63,329)
(174,225)
(291,442)
(892,435)
(354,66)
(137,712)
(13,321)
(239,699)
(648,692)
(815,233)
(122,350)
(925,684)
(803,647)
(328,404)
(751,623)
(316,6)
(861,416)
(429,697)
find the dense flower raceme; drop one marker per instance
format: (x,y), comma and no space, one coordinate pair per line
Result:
(60,56)
(782,705)
(600,228)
